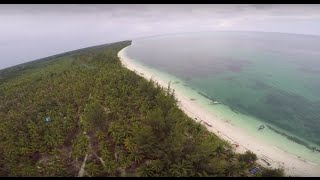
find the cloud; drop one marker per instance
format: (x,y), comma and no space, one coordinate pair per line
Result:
(262,6)
(65,27)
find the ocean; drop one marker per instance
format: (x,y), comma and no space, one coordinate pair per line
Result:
(257,78)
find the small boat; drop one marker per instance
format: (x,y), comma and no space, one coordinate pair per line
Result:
(207,124)
(315,149)
(261,127)
(215,102)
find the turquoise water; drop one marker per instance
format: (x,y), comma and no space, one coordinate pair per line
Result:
(260,78)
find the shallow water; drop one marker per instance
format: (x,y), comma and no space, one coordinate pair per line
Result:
(260,78)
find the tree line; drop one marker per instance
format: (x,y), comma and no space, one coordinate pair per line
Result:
(84,114)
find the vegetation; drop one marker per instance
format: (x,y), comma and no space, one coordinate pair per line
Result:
(248,157)
(273,173)
(84,114)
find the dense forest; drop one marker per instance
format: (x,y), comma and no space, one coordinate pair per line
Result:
(83,114)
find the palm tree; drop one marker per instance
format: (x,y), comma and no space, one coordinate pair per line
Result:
(243,168)
(232,169)
(220,152)
(111,167)
(136,156)
(248,157)
(156,165)
(129,145)
(230,156)
(100,135)
(180,169)
(272,173)
(145,171)
(125,162)
(113,130)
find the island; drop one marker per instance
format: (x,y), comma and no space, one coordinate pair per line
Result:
(84,113)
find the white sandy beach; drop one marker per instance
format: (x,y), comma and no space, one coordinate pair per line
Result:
(292,165)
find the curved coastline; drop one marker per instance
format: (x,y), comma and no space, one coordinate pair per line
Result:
(293,166)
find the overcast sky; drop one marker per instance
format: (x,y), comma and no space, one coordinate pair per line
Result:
(29,32)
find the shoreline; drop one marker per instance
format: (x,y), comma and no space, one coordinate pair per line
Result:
(277,158)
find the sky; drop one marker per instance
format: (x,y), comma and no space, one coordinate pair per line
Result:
(29,32)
